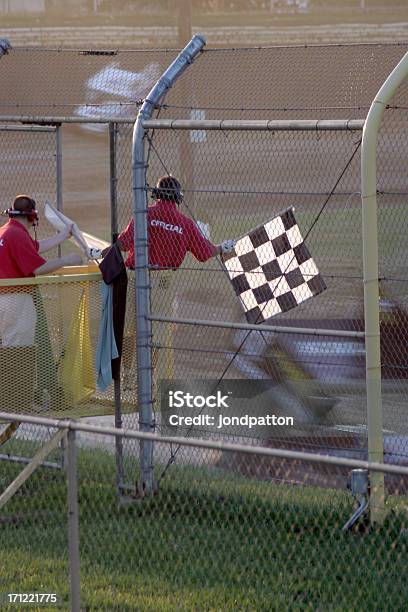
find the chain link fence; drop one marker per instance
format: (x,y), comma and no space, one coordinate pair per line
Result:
(234,181)
(252,174)
(226,529)
(28,164)
(210,538)
(282,82)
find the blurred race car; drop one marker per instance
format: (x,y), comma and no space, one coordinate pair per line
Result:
(114,92)
(315,369)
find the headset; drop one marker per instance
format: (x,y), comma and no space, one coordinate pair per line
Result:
(29,204)
(168,188)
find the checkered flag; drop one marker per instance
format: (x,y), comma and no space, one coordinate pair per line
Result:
(272,270)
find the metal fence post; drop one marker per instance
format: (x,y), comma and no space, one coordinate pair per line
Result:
(113,179)
(371,293)
(142,285)
(58,163)
(58,137)
(73,521)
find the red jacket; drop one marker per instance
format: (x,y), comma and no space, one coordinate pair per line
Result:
(18,251)
(171,235)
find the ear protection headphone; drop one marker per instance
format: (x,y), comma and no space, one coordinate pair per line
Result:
(168,188)
(31,213)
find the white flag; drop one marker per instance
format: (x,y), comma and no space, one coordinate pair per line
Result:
(87,243)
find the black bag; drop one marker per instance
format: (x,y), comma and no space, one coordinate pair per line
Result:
(112,265)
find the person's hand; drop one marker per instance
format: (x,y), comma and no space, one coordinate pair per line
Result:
(73,260)
(227,246)
(94,253)
(67,231)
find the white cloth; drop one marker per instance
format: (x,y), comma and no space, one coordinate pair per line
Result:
(84,241)
(18,317)
(204,229)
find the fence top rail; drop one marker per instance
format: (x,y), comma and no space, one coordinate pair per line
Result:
(43,120)
(51,279)
(71,425)
(262,125)
(281,329)
(27,128)
(230,50)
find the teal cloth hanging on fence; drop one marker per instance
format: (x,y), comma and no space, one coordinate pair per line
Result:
(107,349)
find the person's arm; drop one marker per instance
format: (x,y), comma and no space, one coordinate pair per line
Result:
(49,243)
(54,264)
(203,249)
(198,245)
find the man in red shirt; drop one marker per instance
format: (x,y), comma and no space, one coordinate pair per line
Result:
(20,258)
(171,233)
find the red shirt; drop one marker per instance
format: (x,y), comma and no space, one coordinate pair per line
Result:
(18,251)
(171,235)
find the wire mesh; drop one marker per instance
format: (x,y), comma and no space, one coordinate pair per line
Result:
(198,544)
(50,330)
(226,530)
(234,181)
(34,530)
(58,338)
(103,85)
(304,81)
(28,165)
(299,82)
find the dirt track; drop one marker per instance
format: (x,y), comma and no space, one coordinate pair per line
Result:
(151,36)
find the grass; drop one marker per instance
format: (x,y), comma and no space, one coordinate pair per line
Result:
(210,540)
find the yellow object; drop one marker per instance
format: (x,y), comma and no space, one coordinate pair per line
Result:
(76,369)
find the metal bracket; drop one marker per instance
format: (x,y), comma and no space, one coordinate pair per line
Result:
(31,467)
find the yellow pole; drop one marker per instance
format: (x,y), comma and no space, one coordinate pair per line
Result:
(371,292)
